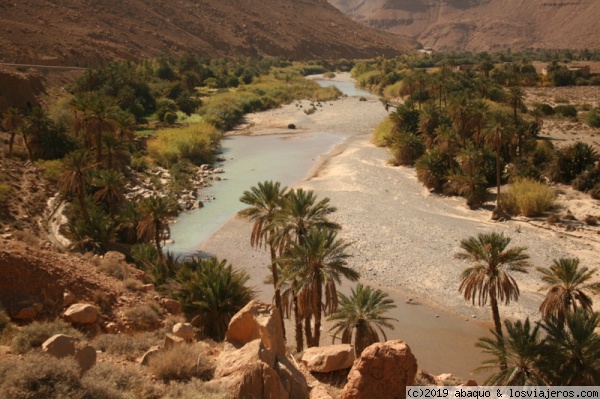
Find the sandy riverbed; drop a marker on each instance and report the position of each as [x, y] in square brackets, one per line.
[404, 237]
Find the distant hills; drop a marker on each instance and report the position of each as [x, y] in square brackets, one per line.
[484, 24]
[86, 32]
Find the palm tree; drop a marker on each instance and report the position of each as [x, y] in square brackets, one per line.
[212, 292]
[516, 355]
[565, 282]
[497, 135]
[111, 188]
[154, 215]
[318, 262]
[264, 203]
[489, 277]
[113, 146]
[124, 123]
[470, 159]
[98, 119]
[516, 99]
[573, 348]
[37, 123]
[11, 120]
[359, 314]
[74, 179]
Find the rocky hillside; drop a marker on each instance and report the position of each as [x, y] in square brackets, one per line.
[84, 32]
[483, 24]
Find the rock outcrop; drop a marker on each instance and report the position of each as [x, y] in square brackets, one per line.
[325, 359]
[184, 330]
[82, 313]
[61, 345]
[383, 371]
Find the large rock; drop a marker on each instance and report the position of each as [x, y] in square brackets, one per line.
[82, 313]
[171, 306]
[257, 320]
[60, 345]
[184, 330]
[330, 358]
[254, 371]
[383, 371]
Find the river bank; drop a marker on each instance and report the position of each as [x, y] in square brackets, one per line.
[404, 238]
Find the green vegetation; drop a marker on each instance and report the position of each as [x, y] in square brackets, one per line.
[528, 198]
[33, 335]
[181, 363]
[196, 143]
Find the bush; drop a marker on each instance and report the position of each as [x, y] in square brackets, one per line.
[182, 362]
[567, 111]
[195, 389]
[108, 381]
[571, 161]
[528, 198]
[143, 317]
[543, 109]
[595, 192]
[407, 148]
[586, 180]
[593, 118]
[432, 170]
[196, 143]
[129, 346]
[33, 335]
[51, 170]
[120, 271]
[382, 135]
[591, 220]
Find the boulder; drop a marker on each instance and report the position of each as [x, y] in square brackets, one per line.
[82, 313]
[254, 371]
[171, 306]
[24, 313]
[60, 345]
[257, 320]
[68, 298]
[172, 340]
[184, 330]
[85, 357]
[383, 371]
[326, 359]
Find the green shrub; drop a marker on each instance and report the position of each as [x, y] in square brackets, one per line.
[407, 148]
[571, 161]
[432, 169]
[382, 135]
[143, 317]
[182, 363]
[587, 180]
[593, 118]
[543, 109]
[196, 143]
[51, 170]
[164, 107]
[33, 335]
[528, 198]
[5, 190]
[567, 111]
[139, 163]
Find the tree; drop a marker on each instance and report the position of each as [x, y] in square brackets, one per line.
[516, 100]
[111, 186]
[74, 179]
[212, 292]
[98, 119]
[497, 135]
[154, 219]
[265, 202]
[360, 314]
[318, 262]
[37, 123]
[565, 282]
[516, 355]
[11, 120]
[573, 348]
[489, 277]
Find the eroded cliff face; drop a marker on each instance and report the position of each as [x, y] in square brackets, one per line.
[483, 24]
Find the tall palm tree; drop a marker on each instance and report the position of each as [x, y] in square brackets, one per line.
[573, 348]
[111, 186]
[124, 124]
[98, 119]
[516, 355]
[11, 120]
[360, 314]
[264, 201]
[74, 179]
[497, 135]
[154, 219]
[488, 278]
[516, 100]
[37, 123]
[565, 282]
[318, 262]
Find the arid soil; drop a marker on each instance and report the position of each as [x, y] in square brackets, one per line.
[483, 25]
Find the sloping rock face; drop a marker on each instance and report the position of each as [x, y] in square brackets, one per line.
[325, 359]
[383, 371]
[253, 363]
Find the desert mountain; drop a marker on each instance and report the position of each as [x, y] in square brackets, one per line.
[83, 32]
[483, 24]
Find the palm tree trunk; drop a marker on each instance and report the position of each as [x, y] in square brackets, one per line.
[99, 148]
[498, 178]
[83, 206]
[318, 310]
[496, 317]
[298, 321]
[27, 147]
[276, 286]
[11, 141]
[308, 331]
[157, 240]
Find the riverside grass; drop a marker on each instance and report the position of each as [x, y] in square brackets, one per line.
[382, 135]
[528, 198]
[195, 143]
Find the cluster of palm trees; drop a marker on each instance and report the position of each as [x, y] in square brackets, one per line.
[308, 262]
[569, 352]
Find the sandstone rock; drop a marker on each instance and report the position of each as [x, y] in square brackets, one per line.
[148, 287]
[171, 306]
[319, 392]
[24, 313]
[68, 298]
[82, 313]
[383, 371]
[172, 340]
[184, 330]
[257, 320]
[60, 345]
[112, 328]
[145, 359]
[254, 371]
[85, 357]
[330, 358]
